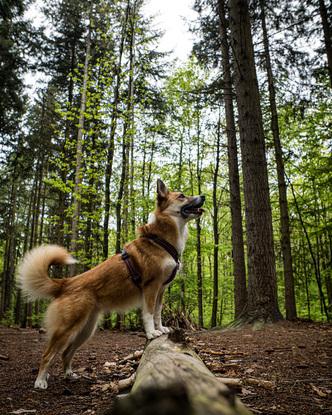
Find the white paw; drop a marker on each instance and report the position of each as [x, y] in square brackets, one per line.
[71, 375]
[164, 329]
[153, 334]
[41, 384]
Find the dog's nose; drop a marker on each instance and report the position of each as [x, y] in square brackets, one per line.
[203, 198]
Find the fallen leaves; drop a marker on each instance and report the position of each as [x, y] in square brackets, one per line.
[266, 384]
[321, 392]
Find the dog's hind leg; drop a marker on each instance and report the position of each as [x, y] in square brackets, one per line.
[56, 343]
[64, 320]
[82, 336]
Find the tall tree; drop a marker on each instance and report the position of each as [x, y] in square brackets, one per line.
[114, 121]
[13, 30]
[262, 301]
[240, 285]
[79, 144]
[128, 125]
[290, 304]
[66, 46]
[327, 30]
[215, 219]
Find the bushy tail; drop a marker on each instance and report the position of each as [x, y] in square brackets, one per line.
[33, 271]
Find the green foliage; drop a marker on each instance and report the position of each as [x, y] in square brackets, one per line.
[171, 134]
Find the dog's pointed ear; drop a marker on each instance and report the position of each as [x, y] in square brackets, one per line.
[162, 190]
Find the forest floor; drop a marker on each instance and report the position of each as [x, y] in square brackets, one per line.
[284, 368]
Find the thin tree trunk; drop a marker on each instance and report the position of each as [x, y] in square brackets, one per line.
[306, 278]
[180, 164]
[60, 211]
[132, 191]
[110, 150]
[79, 145]
[239, 268]
[215, 232]
[127, 132]
[312, 254]
[290, 303]
[198, 233]
[199, 273]
[327, 35]
[262, 283]
[7, 285]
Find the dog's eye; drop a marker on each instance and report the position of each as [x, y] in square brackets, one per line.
[181, 196]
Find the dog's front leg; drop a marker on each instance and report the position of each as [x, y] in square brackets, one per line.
[157, 313]
[150, 294]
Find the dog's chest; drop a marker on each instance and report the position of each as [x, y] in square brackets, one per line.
[168, 266]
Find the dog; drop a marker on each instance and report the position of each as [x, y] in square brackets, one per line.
[135, 278]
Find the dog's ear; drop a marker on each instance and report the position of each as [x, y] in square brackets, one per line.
[162, 191]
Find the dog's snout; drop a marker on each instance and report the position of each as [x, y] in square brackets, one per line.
[203, 198]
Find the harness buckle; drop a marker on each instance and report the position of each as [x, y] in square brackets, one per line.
[124, 254]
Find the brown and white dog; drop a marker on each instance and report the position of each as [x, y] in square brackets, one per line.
[77, 302]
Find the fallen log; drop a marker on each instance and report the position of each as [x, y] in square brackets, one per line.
[171, 379]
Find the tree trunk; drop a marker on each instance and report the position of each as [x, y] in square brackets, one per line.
[110, 150]
[262, 285]
[127, 131]
[7, 284]
[60, 211]
[79, 145]
[290, 303]
[239, 268]
[172, 379]
[198, 233]
[215, 233]
[327, 35]
[312, 254]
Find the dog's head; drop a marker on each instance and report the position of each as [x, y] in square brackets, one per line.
[177, 204]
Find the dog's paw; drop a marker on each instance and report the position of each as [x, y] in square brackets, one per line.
[41, 384]
[153, 334]
[164, 329]
[69, 374]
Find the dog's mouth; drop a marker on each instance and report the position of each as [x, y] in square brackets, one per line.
[194, 208]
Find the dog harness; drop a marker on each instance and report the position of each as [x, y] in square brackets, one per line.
[169, 248]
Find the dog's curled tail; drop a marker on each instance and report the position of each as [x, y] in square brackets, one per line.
[33, 271]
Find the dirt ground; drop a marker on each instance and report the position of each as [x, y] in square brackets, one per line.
[284, 368]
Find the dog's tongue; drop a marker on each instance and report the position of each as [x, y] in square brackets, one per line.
[196, 210]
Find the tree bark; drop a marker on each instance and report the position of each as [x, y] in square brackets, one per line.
[215, 294]
[7, 284]
[79, 145]
[110, 150]
[198, 233]
[60, 212]
[262, 285]
[172, 379]
[327, 35]
[127, 130]
[290, 303]
[239, 268]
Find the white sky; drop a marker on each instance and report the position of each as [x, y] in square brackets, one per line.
[171, 17]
